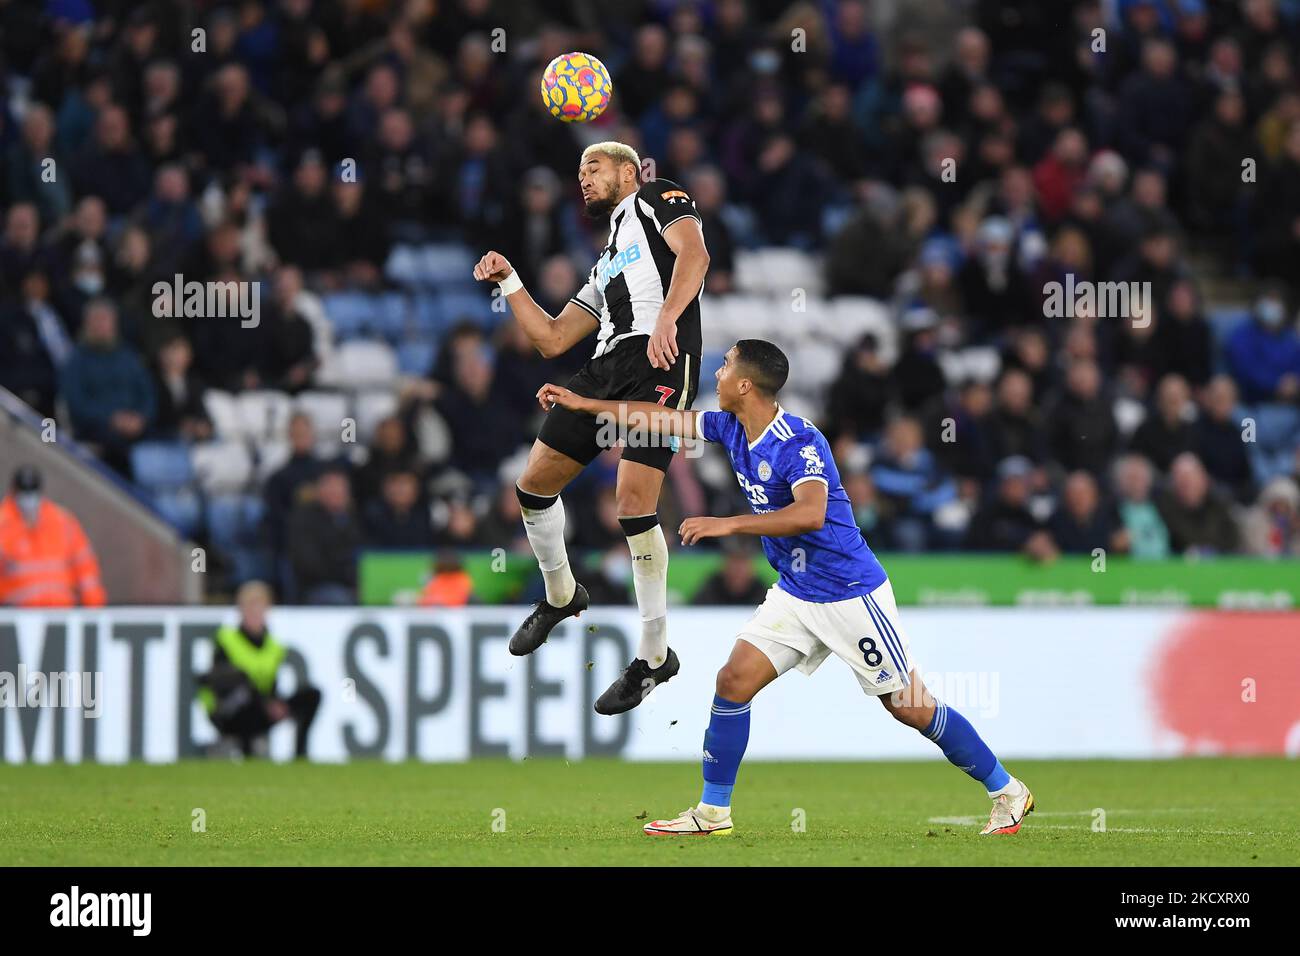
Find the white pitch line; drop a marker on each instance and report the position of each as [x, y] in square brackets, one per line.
[965, 820]
[1062, 826]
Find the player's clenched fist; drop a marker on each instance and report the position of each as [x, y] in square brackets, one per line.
[493, 267]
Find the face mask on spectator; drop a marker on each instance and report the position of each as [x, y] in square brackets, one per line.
[91, 283]
[1270, 312]
[29, 505]
[765, 62]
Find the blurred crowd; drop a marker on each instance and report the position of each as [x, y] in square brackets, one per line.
[947, 159]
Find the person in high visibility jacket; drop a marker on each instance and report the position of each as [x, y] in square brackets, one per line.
[45, 557]
[239, 692]
[450, 584]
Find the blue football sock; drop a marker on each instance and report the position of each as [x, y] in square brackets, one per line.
[724, 746]
[964, 748]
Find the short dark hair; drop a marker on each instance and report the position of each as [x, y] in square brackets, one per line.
[767, 365]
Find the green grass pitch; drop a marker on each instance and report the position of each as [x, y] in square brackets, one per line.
[1214, 812]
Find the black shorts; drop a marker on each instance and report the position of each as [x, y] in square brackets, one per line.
[622, 375]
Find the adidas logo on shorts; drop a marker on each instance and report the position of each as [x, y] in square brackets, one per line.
[884, 676]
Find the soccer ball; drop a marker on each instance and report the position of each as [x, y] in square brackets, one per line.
[576, 87]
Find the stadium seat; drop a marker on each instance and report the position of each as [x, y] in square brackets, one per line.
[779, 271]
[416, 357]
[818, 365]
[327, 411]
[165, 473]
[446, 263]
[467, 306]
[161, 466]
[854, 316]
[404, 265]
[372, 408]
[359, 364]
[351, 314]
[181, 508]
[427, 318]
[263, 414]
[234, 529]
[1277, 436]
[270, 457]
[232, 519]
[223, 467]
[222, 408]
[391, 316]
[1224, 321]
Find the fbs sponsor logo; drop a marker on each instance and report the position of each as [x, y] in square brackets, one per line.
[133, 910]
[610, 267]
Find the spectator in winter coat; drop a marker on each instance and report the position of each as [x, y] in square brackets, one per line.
[1198, 518]
[108, 389]
[324, 539]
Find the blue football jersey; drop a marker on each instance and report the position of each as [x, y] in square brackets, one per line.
[830, 564]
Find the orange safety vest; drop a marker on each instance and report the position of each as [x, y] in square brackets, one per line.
[49, 564]
[447, 589]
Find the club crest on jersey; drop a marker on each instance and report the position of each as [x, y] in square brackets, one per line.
[764, 470]
[813, 461]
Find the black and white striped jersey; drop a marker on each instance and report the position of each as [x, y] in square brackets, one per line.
[627, 285]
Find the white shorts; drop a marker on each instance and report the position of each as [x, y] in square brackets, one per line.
[864, 632]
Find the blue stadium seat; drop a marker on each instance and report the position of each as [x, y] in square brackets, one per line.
[474, 307]
[234, 529]
[351, 314]
[427, 318]
[233, 519]
[391, 315]
[162, 465]
[446, 263]
[404, 265]
[165, 472]
[416, 357]
[181, 508]
[1223, 321]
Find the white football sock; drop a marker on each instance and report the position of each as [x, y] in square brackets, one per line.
[713, 814]
[650, 580]
[545, 530]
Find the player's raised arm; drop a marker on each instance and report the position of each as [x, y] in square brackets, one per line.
[551, 335]
[644, 416]
[806, 513]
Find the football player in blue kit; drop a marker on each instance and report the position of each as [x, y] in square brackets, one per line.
[832, 595]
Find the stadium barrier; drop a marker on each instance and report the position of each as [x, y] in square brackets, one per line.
[928, 580]
[441, 686]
